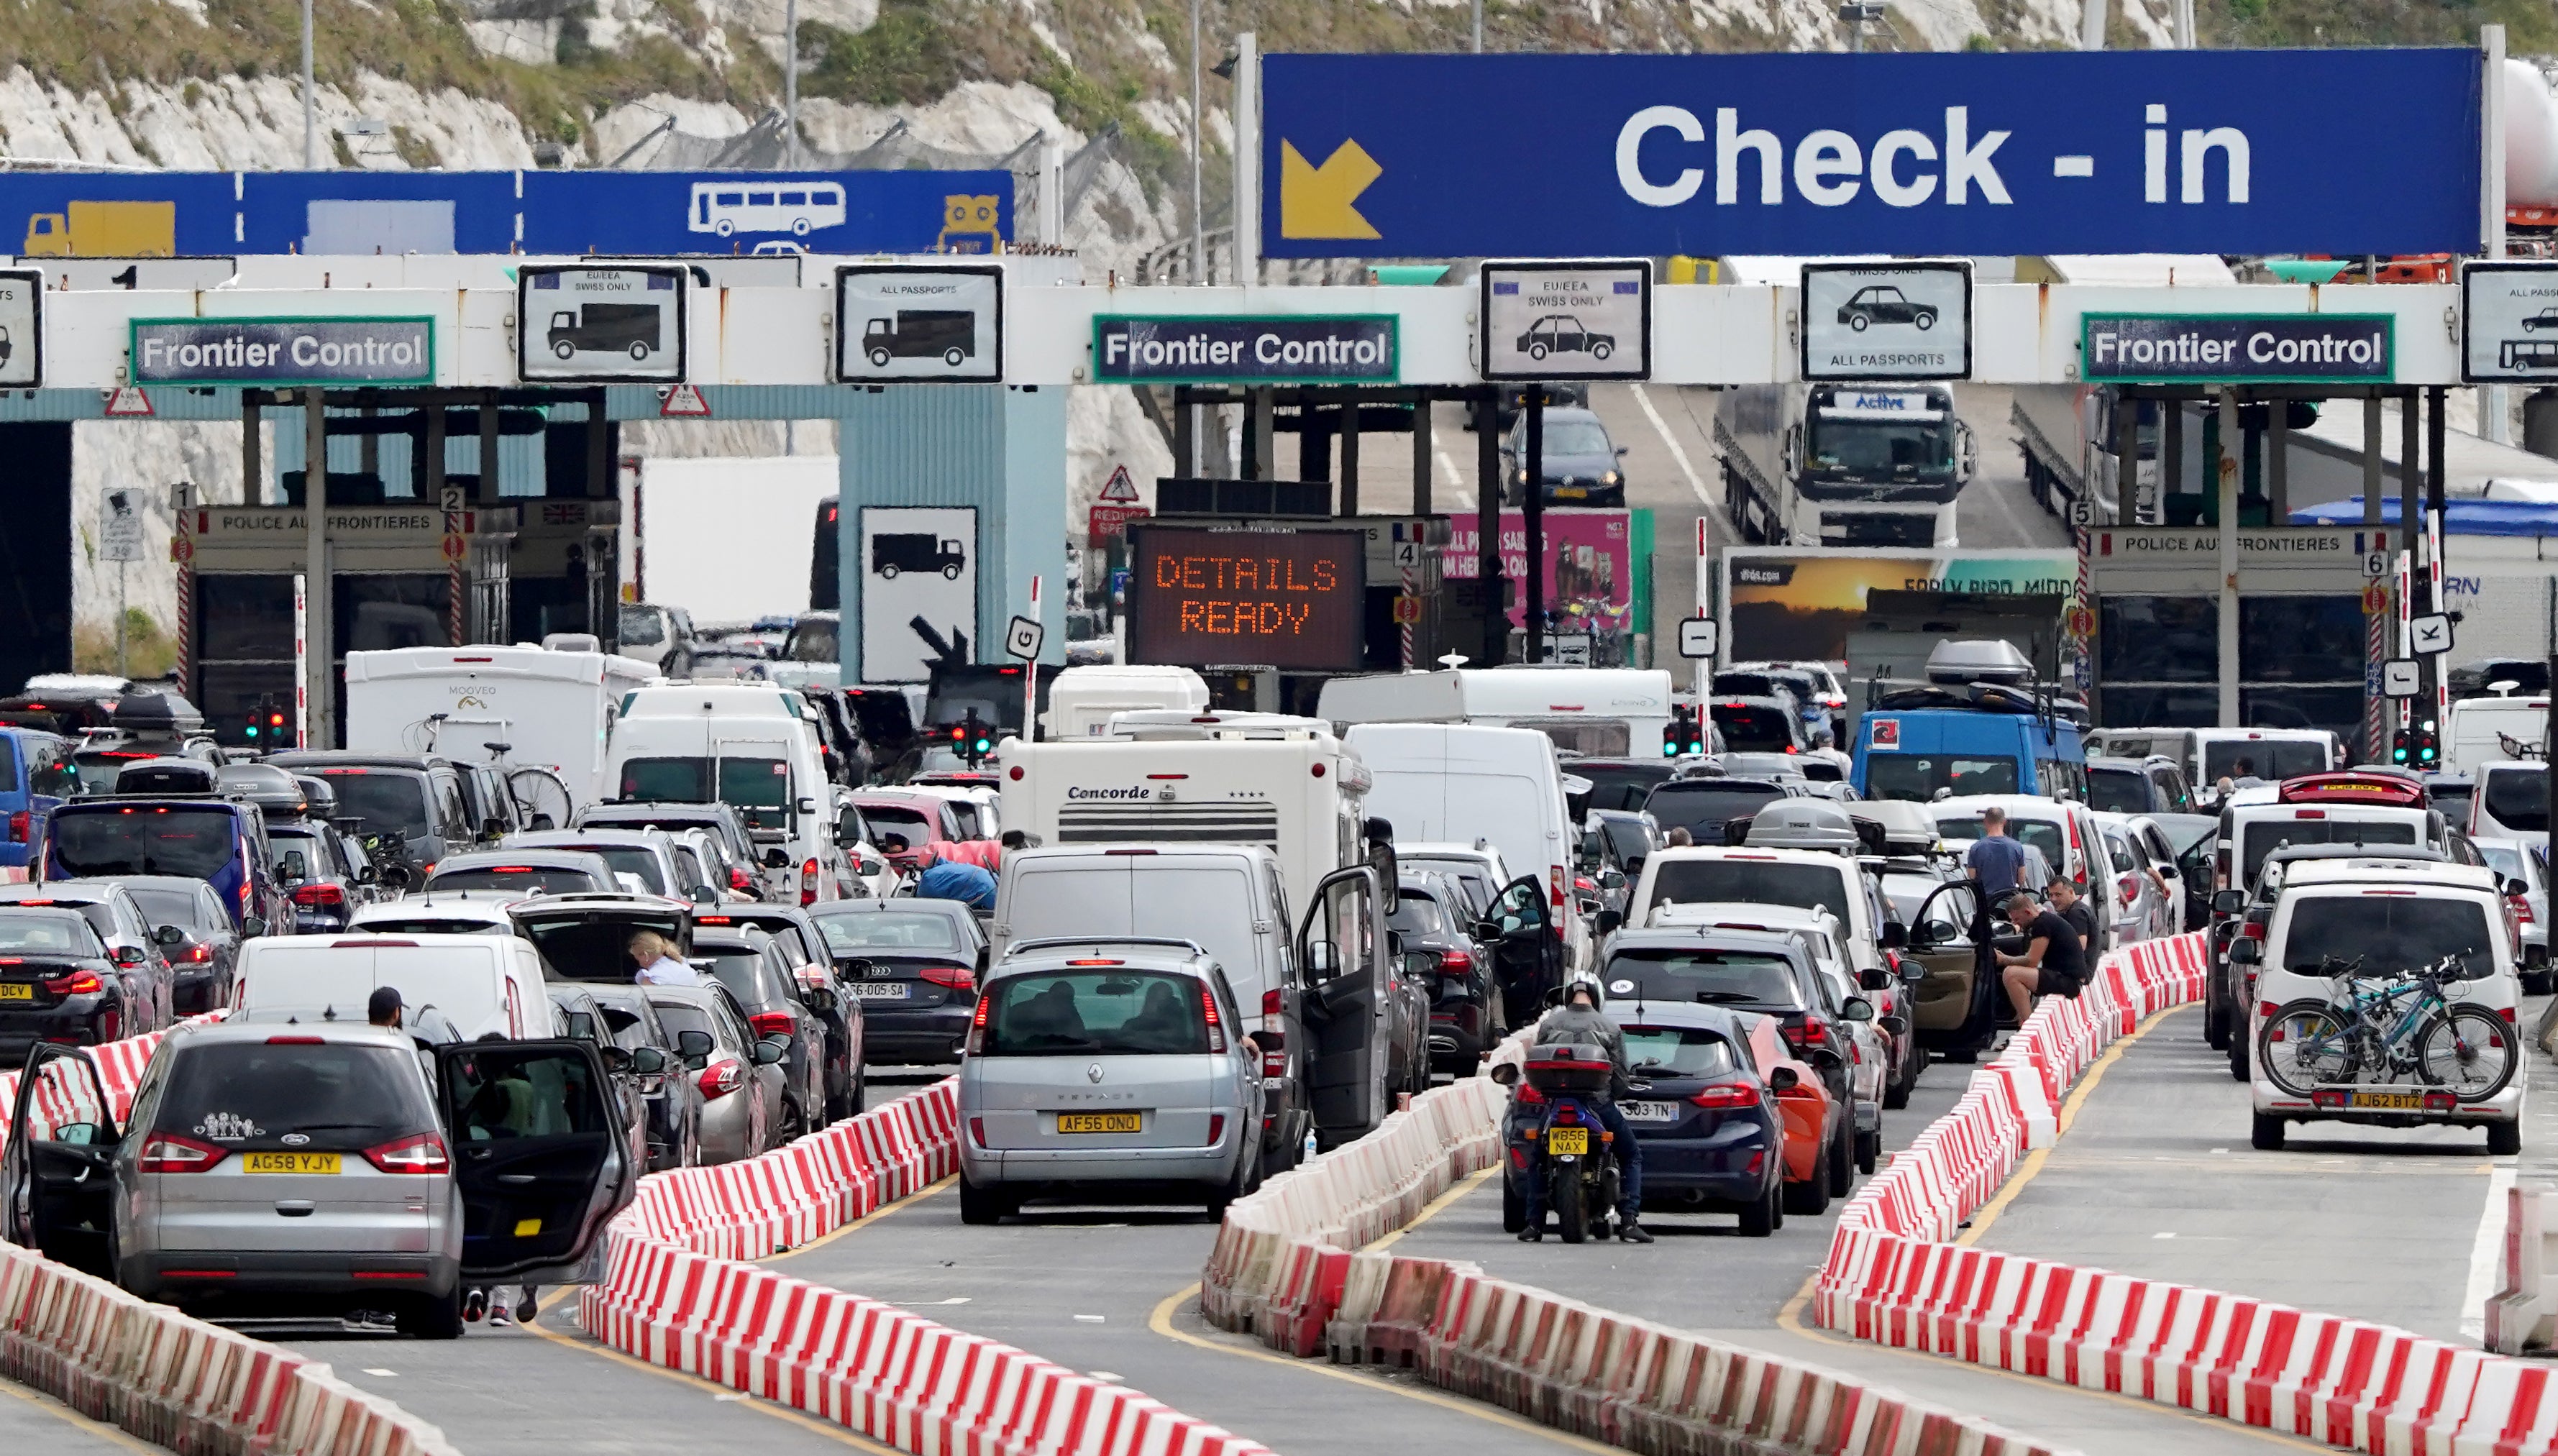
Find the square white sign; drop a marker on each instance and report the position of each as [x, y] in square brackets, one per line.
[2430, 634]
[600, 325]
[2399, 678]
[1887, 320]
[1549, 322]
[900, 325]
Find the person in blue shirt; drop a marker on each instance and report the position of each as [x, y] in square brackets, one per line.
[949, 880]
[1997, 861]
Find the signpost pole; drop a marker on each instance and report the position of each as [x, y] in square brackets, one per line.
[1421, 453]
[2437, 678]
[2410, 460]
[320, 731]
[1030, 677]
[2226, 477]
[1488, 525]
[301, 662]
[2375, 634]
[182, 548]
[1199, 194]
[2491, 401]
[122, 670]
[1247, 159]
[1532, 509]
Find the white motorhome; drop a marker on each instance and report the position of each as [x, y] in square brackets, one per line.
[550, 709]
[1464, 783]
[1600, 711]
[1081, 700]
[750, 744]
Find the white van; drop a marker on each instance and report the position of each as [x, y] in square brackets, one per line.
[2320, 809]
[2511, 802]
[486, 983]
[551, 710]
[1081, 700]
[2272, 754]
[1461, 782]
[749, 744]
[2481, 728]
[2386, 915]
[1597, 712]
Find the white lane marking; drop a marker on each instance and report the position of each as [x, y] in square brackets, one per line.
[1662, 427]
[1087, 1319]
[2485, 1256]
[1456, 482]
[394, 1375]
[960, 1299]
[2163, 1235]
[2006, 509]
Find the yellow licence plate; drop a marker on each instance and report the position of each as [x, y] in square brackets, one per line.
[16, 990]
[2404, 1101]
[289, 1162]
[1572, 493]
[1568, 1139]
[1100, 1121]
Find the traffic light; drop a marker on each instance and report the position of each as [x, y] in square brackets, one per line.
[2428, 746]
[265, 726]
[972, 738]
[1686, 733]
[2401, 745]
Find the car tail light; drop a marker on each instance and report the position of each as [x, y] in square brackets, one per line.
[1274, 1064]
[1727, 1096]
[320, 895]
[2129, 888]
[773, 1023]
[977, 1028]
[2253, 930]
[1215, 1127]
[1272, 1004]
[2327, 1100]
[1568, 1114]
[167, 1152]
[79, 983]
[1814, 1033]
[422, 1153]
[739, 879]
[1583, 882]
[1455, 962]
[721, 1078]
[198, 955]
[1554, 887]
[1216, 1023]
[19, 824]
[809, 882]
[2506, 1012]
[957, 977]
[2521, 908]
[977, 1130]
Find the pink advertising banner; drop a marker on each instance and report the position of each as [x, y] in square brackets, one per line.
[1589, 566]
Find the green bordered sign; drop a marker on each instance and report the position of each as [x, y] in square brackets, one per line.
[2235, 348]
[282, 351]
[1283, 348]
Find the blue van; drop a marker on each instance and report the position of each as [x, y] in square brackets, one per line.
[222, 842]
[36, 776]
[1918, 754]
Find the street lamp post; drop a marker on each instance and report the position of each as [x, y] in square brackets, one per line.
[789, 82]
[310, 117]
[1859, 13]
[1199, 217]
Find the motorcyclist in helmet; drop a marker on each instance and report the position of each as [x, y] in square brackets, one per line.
[1578, 1021]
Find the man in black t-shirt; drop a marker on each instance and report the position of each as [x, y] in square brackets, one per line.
[2054, 963]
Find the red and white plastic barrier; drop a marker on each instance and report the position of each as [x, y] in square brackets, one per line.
[680, 1291]
[1893, 1279]
[1285, 1268]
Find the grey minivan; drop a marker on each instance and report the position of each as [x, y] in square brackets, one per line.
[314, 1170]
[1106, 1071]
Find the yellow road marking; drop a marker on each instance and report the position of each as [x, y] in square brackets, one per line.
[1462, 1187]
[2034, 1162]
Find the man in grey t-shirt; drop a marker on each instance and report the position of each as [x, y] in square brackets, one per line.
[1997, 861]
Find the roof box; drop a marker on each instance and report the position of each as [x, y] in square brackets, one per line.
[1986, 660]
[166, 776]
[1804, 824]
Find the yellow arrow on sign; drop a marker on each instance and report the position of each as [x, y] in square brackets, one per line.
[1315, 201]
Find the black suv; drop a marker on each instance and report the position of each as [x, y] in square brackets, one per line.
[412, 803]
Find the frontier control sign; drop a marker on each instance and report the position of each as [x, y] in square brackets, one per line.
[1296, 600]
[2235, 348]
[1284, 349]
[283, 352]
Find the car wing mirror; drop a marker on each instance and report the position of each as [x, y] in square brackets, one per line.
[1612, 879]
[647, 1061]
[169, 935]
[770, 1050]
[252, 925]
[2228, 901]
[1487, 931]
[1505, 1073]
[776, 858]
[1608, 922]
[691, 1045]
[1783, 1079]
[703, 894]
[1895, 935]
[2516, 888]
[2246, 952]
[1856, 1008]
[128, 955]
[1874, 978]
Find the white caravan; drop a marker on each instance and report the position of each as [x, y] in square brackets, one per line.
[550, 709]
[1599, 711]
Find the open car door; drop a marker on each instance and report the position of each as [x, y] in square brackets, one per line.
[540, 1155]
[1528, 954]
[57, 1177]
[1955, 1008]
[1343, 945]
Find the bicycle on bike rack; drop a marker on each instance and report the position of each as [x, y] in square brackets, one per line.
[2388, 1041]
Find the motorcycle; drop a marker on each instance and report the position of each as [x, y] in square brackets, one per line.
[1556, 1130]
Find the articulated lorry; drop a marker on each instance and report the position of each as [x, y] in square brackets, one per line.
[2067, 432]
[1843, 465]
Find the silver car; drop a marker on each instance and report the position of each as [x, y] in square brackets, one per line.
[2519, 860]
[1106, 1071]
[742, 1080]
[314, 1170]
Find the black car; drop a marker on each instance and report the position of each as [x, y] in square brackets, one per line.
[1581, 464]
[1758, 724]
[804, 946]
[1440, 953]
[754, 970]
[912, 965]
[1616, 783]
[1561, 334]
[196, 935]
[673, 1100]
[320, 872]
[531, 871]
[411, 802]
[58, 983]
[1702, 806]
[1615, 846]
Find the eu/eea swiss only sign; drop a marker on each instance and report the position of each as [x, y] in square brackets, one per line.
[283, 352]
[2235, 348]
[1905, 154]
[1286, 349]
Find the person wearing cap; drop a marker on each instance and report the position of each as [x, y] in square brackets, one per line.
[1824, 747]
[383, 1010]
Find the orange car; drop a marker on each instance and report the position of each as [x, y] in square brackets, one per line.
[1810, 1112]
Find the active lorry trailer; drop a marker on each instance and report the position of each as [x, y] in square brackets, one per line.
[1843, 465]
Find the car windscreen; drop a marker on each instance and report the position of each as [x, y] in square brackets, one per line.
[667, 780]
[2394, 931]
[335, 1097]
[1576, 437]
[49, 933]
[2518, 799]
[898, 819]
[1619, 785]
[1749, 729]
[196, 842]
[532, 880]
[428, 925]
[2118, 791]
[1949, 918]
[2266, 836]
[1095, 1013]
[627, 1028]
[1919, 776]
[1677, 1051]
[1750, 881]
[640, 628]
[742, 971]
[888, 933]
[633, 859]
[386, 802]
[1415, 913]
[172, 907]
[2270, 759]
[2040, 835]
[1702, 805]
[1682, 973]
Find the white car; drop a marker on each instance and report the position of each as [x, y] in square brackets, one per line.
[2459, 1064]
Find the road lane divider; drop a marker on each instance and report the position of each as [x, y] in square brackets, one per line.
[1293, 1267]
[1894, 1275]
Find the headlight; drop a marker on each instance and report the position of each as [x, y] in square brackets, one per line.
[1518, 478]
[1608, 478]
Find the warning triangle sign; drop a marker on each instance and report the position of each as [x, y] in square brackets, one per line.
[128, 403]
[684, 402]
[1120, 487]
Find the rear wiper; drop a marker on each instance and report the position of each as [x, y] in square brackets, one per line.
[1724, 998]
